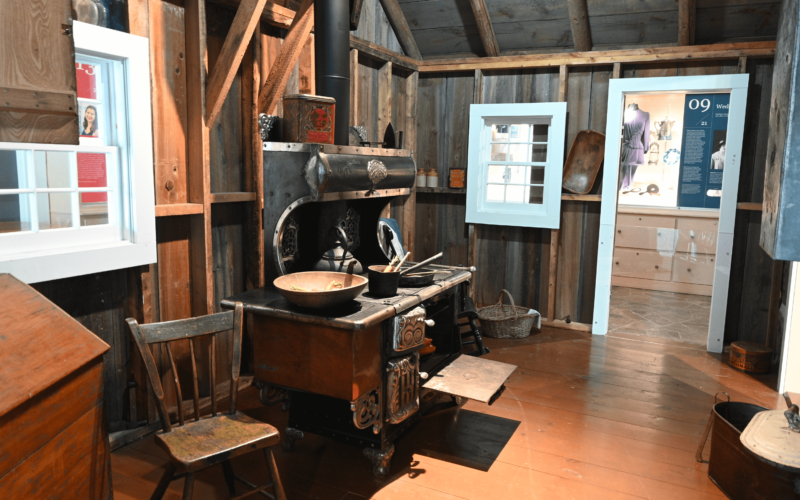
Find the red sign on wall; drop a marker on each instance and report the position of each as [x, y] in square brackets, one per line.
[87, 80]
[92, 174]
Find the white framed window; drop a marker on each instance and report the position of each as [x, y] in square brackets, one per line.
[516, 160]
[73, 210]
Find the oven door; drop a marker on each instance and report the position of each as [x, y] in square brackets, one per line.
[471, 378]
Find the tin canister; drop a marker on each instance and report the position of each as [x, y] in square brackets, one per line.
[308, 118]
[751, 357]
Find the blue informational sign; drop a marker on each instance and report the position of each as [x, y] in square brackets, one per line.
[703, 157]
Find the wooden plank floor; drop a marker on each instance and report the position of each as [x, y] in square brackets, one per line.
[582, 417]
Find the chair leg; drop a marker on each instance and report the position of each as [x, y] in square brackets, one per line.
[163, 483]
[481, 350]
[188, 486]
[230, 477]
[273, 472]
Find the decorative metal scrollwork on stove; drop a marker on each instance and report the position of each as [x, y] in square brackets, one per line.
[350, 223]
[367, 411]
[289, 248]
[403, 388]
[409, 329]
[270, 395]
[377, 171]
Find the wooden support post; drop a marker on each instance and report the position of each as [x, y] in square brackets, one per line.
[384, 98]
[485, 28]
[410, 142]
[236, 42]
[384, 109]
[774, 303]
[282, 68]
[353, 87]
[579, 23]
[253, 162]
[617, 71]
[199, 188]
[401, 29]
[742, 66]
[552, 288]
[139, 17]
[687, 10]
[472, 256]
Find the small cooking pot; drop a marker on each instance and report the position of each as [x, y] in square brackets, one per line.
[382, 284]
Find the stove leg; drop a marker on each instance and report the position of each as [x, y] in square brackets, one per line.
[291, 435]
[381, 460]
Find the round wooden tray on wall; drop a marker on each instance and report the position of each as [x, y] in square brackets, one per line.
[751, 357]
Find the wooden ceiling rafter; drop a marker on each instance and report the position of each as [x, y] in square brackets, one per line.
[281, 69]
[687, 14]
[485, 29]
[230, 57]
[272, 13]
[579, 24]
[719, 51]
[401, 29]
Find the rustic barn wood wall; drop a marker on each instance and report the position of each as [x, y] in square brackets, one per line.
[207, 180]
[518, 259]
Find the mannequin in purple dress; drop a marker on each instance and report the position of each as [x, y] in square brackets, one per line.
[635, 141]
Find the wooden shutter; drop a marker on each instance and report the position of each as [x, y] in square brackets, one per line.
[38, 100]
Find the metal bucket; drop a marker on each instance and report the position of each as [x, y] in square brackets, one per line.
[735, 469]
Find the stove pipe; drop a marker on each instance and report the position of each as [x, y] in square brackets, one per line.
[332, 60]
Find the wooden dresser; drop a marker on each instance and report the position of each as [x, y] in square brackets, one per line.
[665, 249]
[53, 434]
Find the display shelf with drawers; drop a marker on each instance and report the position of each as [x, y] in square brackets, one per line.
[671, 250]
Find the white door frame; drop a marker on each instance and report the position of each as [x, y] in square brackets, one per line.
[736, 85]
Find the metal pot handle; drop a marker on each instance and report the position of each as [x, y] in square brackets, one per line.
[345, 243]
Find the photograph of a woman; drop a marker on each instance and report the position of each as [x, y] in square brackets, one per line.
[718, 156]
[89, 127]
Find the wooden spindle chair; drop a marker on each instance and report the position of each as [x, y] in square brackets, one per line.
[219, 437]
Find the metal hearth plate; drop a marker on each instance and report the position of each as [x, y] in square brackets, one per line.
[471, 378]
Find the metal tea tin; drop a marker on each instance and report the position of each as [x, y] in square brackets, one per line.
[308, 118]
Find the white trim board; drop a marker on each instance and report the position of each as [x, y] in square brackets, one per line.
[736, 85]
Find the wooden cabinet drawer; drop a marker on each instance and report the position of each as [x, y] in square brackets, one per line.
[697, 236]
[693, 269]
[646, 238]
[646, 264]
[645, 220]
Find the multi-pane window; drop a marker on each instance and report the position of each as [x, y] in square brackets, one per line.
[71, 187]
[516, 154]
[49, 189]
[68, 210]
[517, 161]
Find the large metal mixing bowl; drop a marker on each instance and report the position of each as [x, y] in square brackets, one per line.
[318, 280]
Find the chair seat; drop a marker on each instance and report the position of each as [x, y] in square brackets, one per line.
[212, 440]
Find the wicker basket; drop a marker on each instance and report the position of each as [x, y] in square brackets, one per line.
[501, 321]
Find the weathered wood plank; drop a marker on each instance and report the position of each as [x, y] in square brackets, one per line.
[384, 110]
[198, 154]
[169, 107]
[226, 152]
[661, 54]
[780, 237]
